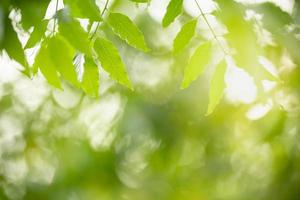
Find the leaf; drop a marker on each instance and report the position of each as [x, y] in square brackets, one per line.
[33, 11]
[90, 80]
[197, 64]
[127, 30]
[43, 61]
[274, 18]
[173, 10]
[90, 9]
[111, 61]
[73, 8]
[217, 86]
[140, 1]
[241, 35]
[184, 36]
[13, 46]
[37, 34]
[62, 55]
[84, 9]
[72, 31]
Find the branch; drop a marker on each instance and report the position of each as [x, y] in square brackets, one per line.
[210, 28]
[55, 20]
[98, 23]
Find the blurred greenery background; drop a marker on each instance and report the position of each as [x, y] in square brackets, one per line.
[155, 143]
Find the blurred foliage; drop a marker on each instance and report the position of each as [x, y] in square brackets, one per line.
[90, 138]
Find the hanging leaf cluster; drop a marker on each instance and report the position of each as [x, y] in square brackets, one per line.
[62, 39]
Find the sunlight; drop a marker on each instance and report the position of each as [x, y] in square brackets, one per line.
[240, 86]
[191, 8]
[260, 110]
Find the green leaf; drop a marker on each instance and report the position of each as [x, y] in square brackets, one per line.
[111, 61]
[173, 10]
[37, 34]
[13, 46]
[140, 1]
[84, 9]
[197, 64]
[241, 34]
[184, 36]
[274, 18]
[217, 86]
[43, 61]
[33, 11]
[90, 80]
[127, 30]
[62, 55]
[90, 9]
[72, 31]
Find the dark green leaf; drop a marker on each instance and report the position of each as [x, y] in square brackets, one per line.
[12, 45]
[33, 11]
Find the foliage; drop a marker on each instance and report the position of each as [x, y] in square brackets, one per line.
[241, 37]
[167, 143]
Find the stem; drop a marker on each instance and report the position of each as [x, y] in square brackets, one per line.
[210, 28]
[98, 23]
[55, 20]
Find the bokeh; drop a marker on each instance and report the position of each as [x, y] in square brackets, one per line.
[155, 143]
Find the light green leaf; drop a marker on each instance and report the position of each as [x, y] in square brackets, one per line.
[75, 35]
[173, 10]
[90, 9]
[43, 61]
[84, 9]
[127, 30]
[217, 86]
[197, 64]
[90, 80]
[37, 34]
[140, 1]
[184, 36]
[62, 55]
[111, 61]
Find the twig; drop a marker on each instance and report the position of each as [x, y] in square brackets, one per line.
[55, 20]
[98, 23]
[210, 28]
